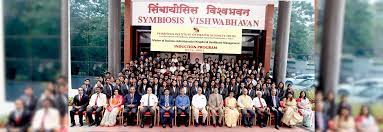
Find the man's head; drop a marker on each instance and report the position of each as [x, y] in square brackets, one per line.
[259, 94]
[199, 91]
[98, 89]
[28, 91]
[244, 91]
[19, 104]
[46, 103]
[80, 90]
[149, 90]
[86, 81]
[107, 81]
[273, 92]
[166, 92]
[215, 90]
[182, 91]
[132, 89]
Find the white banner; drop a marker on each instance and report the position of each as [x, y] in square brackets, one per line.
[198, 14]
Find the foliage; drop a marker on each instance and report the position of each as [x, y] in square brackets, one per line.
[70, 101]
[3, 120]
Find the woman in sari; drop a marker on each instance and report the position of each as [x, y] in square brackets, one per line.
[231, 111]
[111, 111]
[365, 122]
[291, 117]
[344, 122]
[305, 109]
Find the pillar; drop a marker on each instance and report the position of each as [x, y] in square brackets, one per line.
[128, 43]
[282, 41]
[267, 45]
[114, 42]
[2, 57]
[64, 38]
[331, 48]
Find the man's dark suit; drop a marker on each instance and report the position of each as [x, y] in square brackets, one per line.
[82, 103]
[142, 88]
[108, 90]
[156, 89]
[88, 90]
[234, 88]
[274, 104]
[174, 91]
[224, 92]
[131, 100]
[162, 104]
[125, 89]
[22, 122]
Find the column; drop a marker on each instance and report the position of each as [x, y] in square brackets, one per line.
[267, 45]
[2, 57]
[331, 48]
[114, 42]
[64, 38]
[128, 43]
[282, 41]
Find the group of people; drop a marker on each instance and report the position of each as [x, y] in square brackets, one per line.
[177, 87]
[330, 116]
[45, 113]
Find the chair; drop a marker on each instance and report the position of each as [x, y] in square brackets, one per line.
[166, 115]
[93, 113]
[271, 117]
[122, 113]
[83, 115]
[210, 115]
[200, 114]
[248, 116]
[182, 114]
[147, 114]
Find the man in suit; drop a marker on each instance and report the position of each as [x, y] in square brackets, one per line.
[233, 88]
[194, 89]
[273, 103]
[174, 89]
[97, 103]
[216, 106]
[148, 104]
[19, 119]
[62, 101]
[88, 89]
[131, 102]
[223, 90]
[29, 99]
[46, 118]
[252, 92]
[166, 105]
[80, 101]
[156, 87]
[125, 87]
[261, 109]
[108, 88]
[143, 87]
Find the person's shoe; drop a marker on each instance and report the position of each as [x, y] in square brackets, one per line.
[264, 125]
[261, 125]
[204, 124]
[163, 126]
[220, 124]
[171, 125]
[92, 124]
[214, 125]
[196, 124]
[125, 124]
[81, 124]
[72, 125]
[142, 125]
[178, 125]
[151, 126]
[277, 127]
[187, 125]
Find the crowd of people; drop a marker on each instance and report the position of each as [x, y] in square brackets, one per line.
[45, 113]
[226, 90]
[330, 116]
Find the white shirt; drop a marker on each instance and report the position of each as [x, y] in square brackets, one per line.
[185, 90]
[50, 119]
[199, 101]
[172, 69]
[257, 104]
[174, 60]
[152, 99]
[101, 100]
[242, 99]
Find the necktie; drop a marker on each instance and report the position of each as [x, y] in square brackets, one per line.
[131, 99]
[79, 99]
[260, 102]
[148, 99]
[96, 100]
[274, 101]
[167, 101]
[17, 117]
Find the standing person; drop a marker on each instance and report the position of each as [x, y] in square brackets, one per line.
[344, 122]
[231, 111]
[246, 106]
[223, 90]
[261, 109]
[108, 88]
[114, 107]
[365, 121]
[29, 99]
[280, 90]
[80, 101]
[174, 89]
[88, 89]
[199, 103]
[19, 119]
[183, 105]
[166, 105]
[131, 102]
[273, 103]
[97, 103]
[304, 107]
[148, 103]
[216, 106]
[233, 88]
[47, 118]
[291, 117]
[143, 87]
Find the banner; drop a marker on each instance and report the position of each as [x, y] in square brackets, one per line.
[243, 16]
[196, 39]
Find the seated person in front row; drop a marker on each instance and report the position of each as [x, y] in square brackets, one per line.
[148, 103]
[131, 101]
[166, 105]
[199, 104]
[261, 109]
[97, 103]
[80, 101]
[216, 105]
[246, 106]
[19, 119]
[183, 105]
[112, 110]
[273, 103]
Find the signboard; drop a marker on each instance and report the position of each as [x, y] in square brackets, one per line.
[198, 14]
[196, 39]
